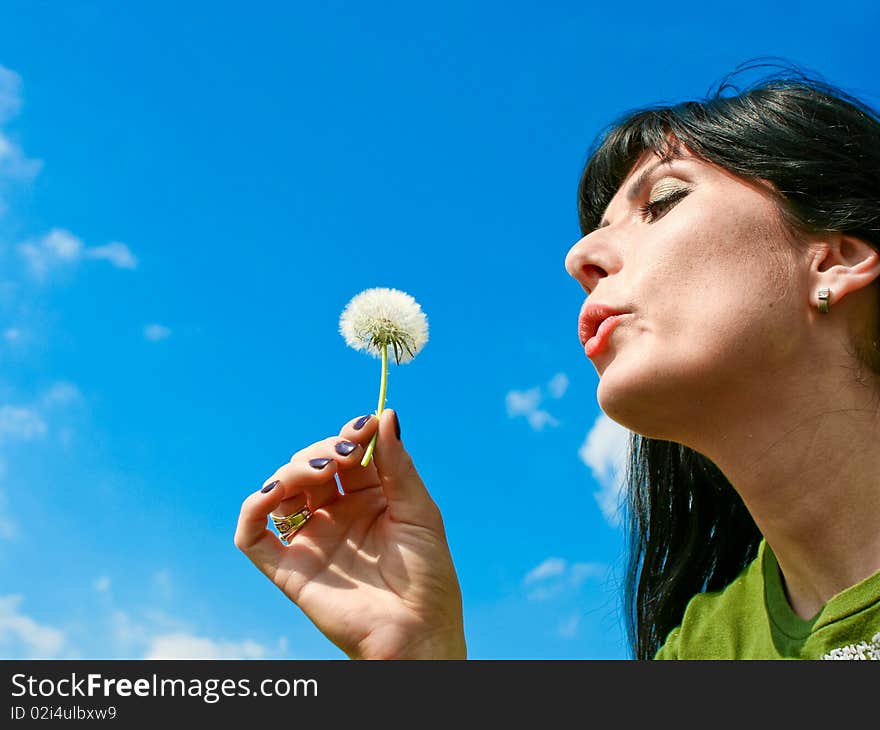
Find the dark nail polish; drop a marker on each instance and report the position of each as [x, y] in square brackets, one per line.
[345, 447]
[396, 425]
[270, 487]
[319, 463]
[360, 422]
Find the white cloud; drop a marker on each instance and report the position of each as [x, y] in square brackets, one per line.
[558, 385]
[189, 646]
[521, 402]
[554, 576]
[539, 419]
[21, 635]
[156, 332]
[61, 393]
[581, 571]
[549, 568]
[56, 248]
[156, 635]
[125, 631]
[62, 244]
[116, 253]
[29, 421]
[60, 248]
[21, 422]
[14, 164]
[10, 94]
[525, 403]
[131, 636]
[13, 334]
[568, 628]
[102, 584]
[605, 450]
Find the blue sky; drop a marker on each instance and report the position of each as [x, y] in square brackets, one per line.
[189, 196]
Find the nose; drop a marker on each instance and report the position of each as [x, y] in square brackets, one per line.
[586, 262]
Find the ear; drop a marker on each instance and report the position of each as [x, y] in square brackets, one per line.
[844, 264]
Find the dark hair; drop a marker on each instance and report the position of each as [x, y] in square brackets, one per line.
[819, 147]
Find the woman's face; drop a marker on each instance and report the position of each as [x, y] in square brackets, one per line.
[716, 297]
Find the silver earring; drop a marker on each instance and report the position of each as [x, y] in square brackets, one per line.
[824, 293]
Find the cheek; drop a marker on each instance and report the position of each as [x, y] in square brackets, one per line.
[712, 311]
[683, 351]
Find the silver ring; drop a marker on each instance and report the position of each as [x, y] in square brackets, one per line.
[288, 526]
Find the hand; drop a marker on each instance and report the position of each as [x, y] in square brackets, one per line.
[371, 567]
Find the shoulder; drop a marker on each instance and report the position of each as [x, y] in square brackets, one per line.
[716, 623]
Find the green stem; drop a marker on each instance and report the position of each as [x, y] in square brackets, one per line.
[383, 387]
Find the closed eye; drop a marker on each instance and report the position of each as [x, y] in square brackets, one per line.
[654, 209]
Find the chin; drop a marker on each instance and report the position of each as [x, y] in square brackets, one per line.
[636, 400]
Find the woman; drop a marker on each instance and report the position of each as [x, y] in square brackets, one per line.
[737, 239]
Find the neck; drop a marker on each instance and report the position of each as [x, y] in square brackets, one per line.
[808, 470]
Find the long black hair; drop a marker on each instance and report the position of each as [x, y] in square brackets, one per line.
[688, 529]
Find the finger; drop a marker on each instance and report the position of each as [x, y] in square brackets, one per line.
[408, 498]
[353, 476]
[253, 537]
[310, 475]
[308, 470]
[306, 480]
[324, 496]
[317, 497]
[289, 506]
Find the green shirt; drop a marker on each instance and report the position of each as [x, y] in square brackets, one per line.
[751, 619]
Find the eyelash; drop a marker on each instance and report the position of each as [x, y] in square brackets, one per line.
[649, 210]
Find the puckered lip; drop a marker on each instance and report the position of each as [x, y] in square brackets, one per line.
[592, 315]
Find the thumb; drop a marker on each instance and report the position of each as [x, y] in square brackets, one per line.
[408, 498]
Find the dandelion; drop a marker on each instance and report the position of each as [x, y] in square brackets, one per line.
[376, 319]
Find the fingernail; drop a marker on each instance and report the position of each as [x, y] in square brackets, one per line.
[345, 447]
[270, 487]
[360, 422]
[319, 463]
[396, 425]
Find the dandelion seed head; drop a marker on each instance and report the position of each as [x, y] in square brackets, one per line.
[382, 316]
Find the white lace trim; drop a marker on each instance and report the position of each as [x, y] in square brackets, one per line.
[862, 650]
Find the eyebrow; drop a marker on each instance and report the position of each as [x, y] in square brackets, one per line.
[636, 188]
